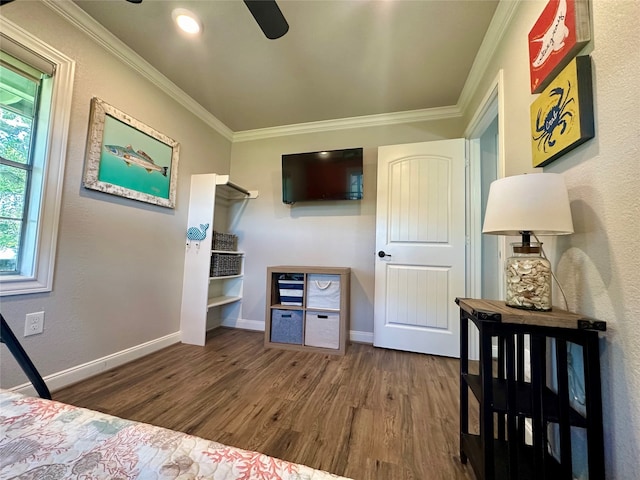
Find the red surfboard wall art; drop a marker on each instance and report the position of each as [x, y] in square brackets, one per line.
[560, 32]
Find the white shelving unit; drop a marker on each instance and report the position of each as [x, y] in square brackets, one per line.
[208, 301]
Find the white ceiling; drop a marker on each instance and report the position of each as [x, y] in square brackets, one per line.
[340, 58]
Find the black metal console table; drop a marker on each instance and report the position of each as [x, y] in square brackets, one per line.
[506, 398]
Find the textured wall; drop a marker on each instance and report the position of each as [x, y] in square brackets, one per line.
[599, 265]
[118, 278]
[340, 234]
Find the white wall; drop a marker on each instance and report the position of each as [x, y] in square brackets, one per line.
[119, 263]
[599, 265]
[340, 234]
[118, 278]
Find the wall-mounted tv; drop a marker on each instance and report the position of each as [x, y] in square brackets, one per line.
[324, 175]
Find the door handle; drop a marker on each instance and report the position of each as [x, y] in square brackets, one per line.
[382, 254]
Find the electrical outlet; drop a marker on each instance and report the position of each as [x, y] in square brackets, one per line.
[34, 323]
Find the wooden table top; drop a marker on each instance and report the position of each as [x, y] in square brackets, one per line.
[496, 310]
[309, 269]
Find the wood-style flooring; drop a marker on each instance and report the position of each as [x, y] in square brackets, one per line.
[371, 414]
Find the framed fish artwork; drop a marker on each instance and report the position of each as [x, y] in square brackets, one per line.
[127, 158]
[562, 115]
[561, 31]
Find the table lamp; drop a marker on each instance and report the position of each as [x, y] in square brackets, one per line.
[529, 204]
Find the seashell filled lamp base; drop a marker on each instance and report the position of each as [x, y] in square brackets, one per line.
[528, 277]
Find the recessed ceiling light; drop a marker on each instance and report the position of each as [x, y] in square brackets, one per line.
[187, 21]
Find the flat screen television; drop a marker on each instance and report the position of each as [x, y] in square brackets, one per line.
[324, 175]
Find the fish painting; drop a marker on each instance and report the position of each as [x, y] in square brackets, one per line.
[133, 157]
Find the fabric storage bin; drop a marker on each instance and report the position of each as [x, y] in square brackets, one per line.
[323, 291]
[322, 330]
[291, 288]
[286, 326]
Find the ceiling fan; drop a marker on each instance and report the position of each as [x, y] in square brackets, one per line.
[267, 14]
[269, 17]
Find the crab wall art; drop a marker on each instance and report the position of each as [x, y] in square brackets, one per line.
[562, 116]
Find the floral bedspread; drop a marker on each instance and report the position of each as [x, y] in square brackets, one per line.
[43, 439]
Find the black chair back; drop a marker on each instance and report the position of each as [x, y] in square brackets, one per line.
[9, 339]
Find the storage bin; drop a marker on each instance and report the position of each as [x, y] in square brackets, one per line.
[223, 265]
[291, 289]
[323, 291]
[286, 326]
[322, 330]
[225, 241]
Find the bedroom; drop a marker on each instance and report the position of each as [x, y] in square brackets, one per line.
[108, 249]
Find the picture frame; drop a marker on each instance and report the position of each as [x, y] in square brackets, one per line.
[562, 116]
[127, 158]
[561, 31]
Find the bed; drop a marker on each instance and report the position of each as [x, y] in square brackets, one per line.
[44, 439]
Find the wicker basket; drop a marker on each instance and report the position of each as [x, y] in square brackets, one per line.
[223, 265]
[225, 241]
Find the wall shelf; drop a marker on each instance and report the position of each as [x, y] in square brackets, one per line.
[228, 190]
[222, 300]
[225, 277]
[208, 301]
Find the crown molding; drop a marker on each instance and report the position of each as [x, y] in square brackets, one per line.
[501, 20]
[502, 17]
[83, 21]
[383, 119]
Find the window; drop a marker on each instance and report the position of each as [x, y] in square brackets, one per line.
[19, 96]
[35, 99]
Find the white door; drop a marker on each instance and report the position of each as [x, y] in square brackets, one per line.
[420, 247]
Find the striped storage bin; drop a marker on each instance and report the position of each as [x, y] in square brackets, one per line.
[291, 289]
[286, 326]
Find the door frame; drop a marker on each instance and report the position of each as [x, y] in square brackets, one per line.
[491, 106]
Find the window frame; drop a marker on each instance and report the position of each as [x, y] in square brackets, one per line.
[54, 161]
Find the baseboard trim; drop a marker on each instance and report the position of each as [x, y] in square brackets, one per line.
[243, 324]
[72, 375]
[361, 337]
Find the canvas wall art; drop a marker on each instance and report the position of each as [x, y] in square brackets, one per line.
[560, 32]
[562, 116]
[127, 158]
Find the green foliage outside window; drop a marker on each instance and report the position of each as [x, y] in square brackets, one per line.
[17, 100]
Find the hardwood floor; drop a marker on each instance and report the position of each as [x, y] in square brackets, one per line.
[371, 414]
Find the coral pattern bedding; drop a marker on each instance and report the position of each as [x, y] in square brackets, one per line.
[43, 439]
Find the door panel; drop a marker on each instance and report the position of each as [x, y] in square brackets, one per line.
[420, 227]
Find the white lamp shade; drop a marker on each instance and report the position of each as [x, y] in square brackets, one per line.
[534, 202]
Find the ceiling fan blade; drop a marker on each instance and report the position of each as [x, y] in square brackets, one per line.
[269, 17]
